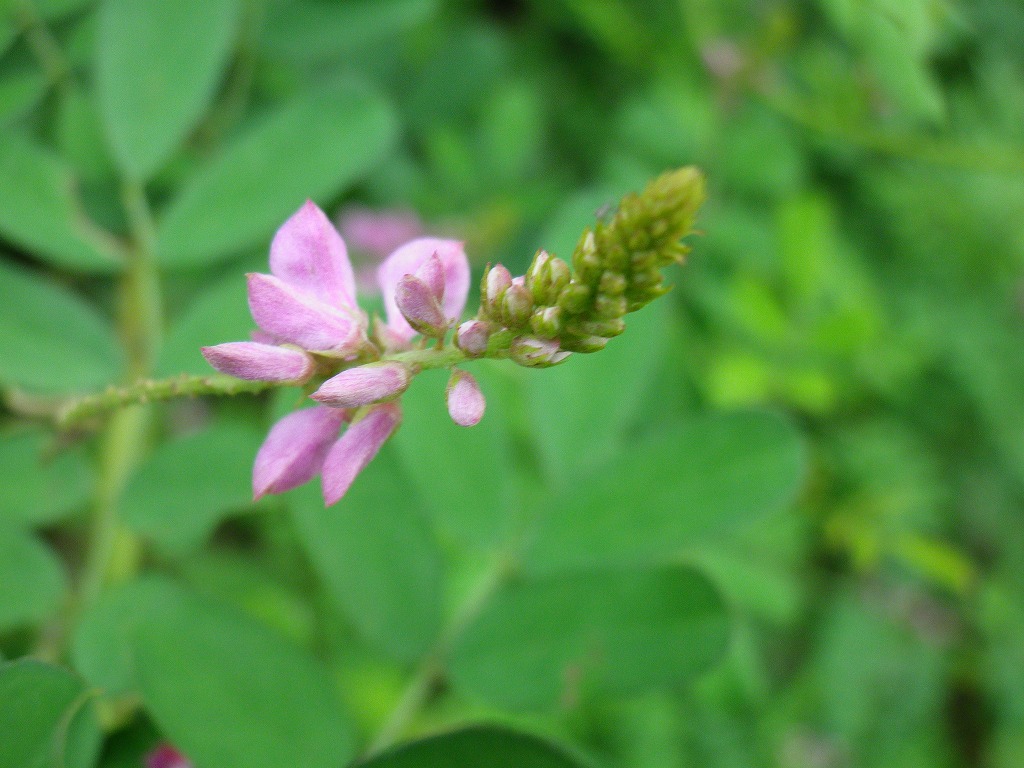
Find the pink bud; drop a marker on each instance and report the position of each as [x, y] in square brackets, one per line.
[407, 260]
[472, 337]
[465, 400]
[431, 272]
[260, 362]
[294, 450]
[295, 317]
[420, 307]
[356, 448]
[364, 385]
[498, 280]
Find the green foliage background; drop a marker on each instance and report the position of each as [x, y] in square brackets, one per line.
[777, 523]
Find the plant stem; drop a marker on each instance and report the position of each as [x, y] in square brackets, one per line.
[430, 671]
[111, 549]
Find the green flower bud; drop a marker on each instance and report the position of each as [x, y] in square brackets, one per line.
[516, 306]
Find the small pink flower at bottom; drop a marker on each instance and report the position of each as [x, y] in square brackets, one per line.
[294, 450]
[166, 756]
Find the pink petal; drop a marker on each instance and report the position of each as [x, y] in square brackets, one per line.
[364, 385]
[406, 260]
[260, 362]
[465, 400]
[294, 450]
[356, 448]
[308, 253]
[295, 317]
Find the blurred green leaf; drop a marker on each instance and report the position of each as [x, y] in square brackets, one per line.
[480, 746]
[39, 210]
[311, 148]
[103, 644]
[377, 557]
[158, 66]
[47, 719]
[19, 92]
[79, 134]
[188, 485]
[38, 488]
[49, 338]
[582, 409]
[55, 10]
[230, 693]
[318, 30]
[219, 314]
[694, 480]
[541, 643]
[32, 580]
[462, 474]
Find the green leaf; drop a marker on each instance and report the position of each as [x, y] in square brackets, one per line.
[19, 92]
[47, 719]
[158, 65]
[311, 148]
[481, 747]
[314, 30]
[462, 474]
[38, 488]
[79, 134]
[39, 210]
[103, 646]
[187, 486]
[582, 409]
[377, 557]
[219, 314]
[49, 338]
[541, 643]
[32, 581]
[231, 693]
[695, 480]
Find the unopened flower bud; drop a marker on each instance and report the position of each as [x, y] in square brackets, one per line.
[532, 352]
[472, 337]
[497, 280]
[420, 306]
[516, 306]
[608, 307]
[584, 343]
[612, 283]
[260, 362]
[573, 298]
[465, 399]
[431, 272]
[364, 385]
[547, 322]
[560, 274]
[538, 279]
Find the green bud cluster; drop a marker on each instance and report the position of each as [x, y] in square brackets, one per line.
[616, 269]
[617, 265]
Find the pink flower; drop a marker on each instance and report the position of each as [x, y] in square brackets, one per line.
[310, 324]
[465, 400]
[407, 260]
[166, 756]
